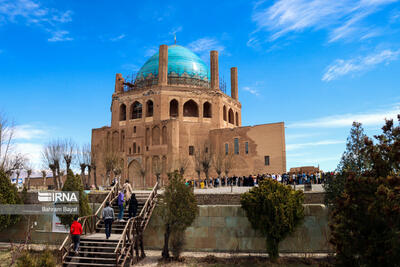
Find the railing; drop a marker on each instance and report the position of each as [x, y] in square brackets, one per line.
[89, 223]
[134, 229]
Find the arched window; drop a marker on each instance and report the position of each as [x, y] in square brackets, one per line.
[190, 109]
[207, 110]
[173, 108]
[136, 110]
[149, 110]
[231, 116]
[122, 112]
[134, 148]
[155, 136]
[164, 135]
[237, 119]
[224, 113]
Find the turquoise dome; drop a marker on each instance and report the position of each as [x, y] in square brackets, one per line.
[181, 61]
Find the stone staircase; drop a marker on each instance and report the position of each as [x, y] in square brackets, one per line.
[118, 250]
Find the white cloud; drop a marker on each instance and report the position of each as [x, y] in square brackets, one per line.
[28, 132]
[59, 36]
[32, 151]
[206, 44]
[342, 18]
[355, 65]
[32, 13]
[251, 90]
[290, 147]
[346, 120]
[117, 38]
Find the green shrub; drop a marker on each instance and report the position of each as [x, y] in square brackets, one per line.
[46, 259]
[365, 223]
[8, 195]
[275, 210]
[178, 209]
[73, 183]
[26, 260]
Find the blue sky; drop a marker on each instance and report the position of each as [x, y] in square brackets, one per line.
[317, 65]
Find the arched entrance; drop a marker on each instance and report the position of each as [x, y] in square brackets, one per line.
[133, 174]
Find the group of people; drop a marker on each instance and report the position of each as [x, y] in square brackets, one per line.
[252, 180]
[126, 197]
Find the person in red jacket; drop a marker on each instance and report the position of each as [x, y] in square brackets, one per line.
[76, 231]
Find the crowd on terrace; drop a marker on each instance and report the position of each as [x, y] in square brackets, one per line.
[254, 180]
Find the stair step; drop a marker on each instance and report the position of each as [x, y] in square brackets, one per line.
[96, 247]
[96, 254]
[90, 258]
[88, 264]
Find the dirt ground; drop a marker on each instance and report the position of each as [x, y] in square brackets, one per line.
[192, 259]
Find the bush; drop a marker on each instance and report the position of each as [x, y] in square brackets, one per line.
[365, 223]
[9, 195]
[26, 260]
[45, 259]
[178, 208]
[177, 243]
[73, 183]
[275, 210]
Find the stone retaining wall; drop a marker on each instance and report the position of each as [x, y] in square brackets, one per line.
[223, 228]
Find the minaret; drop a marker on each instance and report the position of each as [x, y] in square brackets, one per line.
[214, 69]
[119, 83]
[234, 83]
[163, 65]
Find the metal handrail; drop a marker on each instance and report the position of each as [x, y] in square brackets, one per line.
[131, 225]
[94, 217]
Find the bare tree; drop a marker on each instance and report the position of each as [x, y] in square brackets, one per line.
[206, 160]
[228, 164]
[110, 159]
[141, 171]
[10, 161]
[83, 156]
[68, 152]
[51, 157]
[29, 169]
[44, 174]
[7, 131]
[219, 163]
[93, 166]
[157, 168]
[197, 164]
[183, 164]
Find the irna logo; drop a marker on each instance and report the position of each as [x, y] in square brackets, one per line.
[58, 197]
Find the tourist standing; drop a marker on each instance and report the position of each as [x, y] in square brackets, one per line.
[108, 218]
[128, 190]
[133, 206]
[121, 205]
[76, 231]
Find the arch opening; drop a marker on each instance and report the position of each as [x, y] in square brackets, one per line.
[174, 108]
[190, 109]
[136, 110]
[207, 110]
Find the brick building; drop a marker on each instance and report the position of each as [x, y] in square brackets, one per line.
[173, 109]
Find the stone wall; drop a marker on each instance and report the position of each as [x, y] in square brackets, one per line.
[234, 199]
[226, 228]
